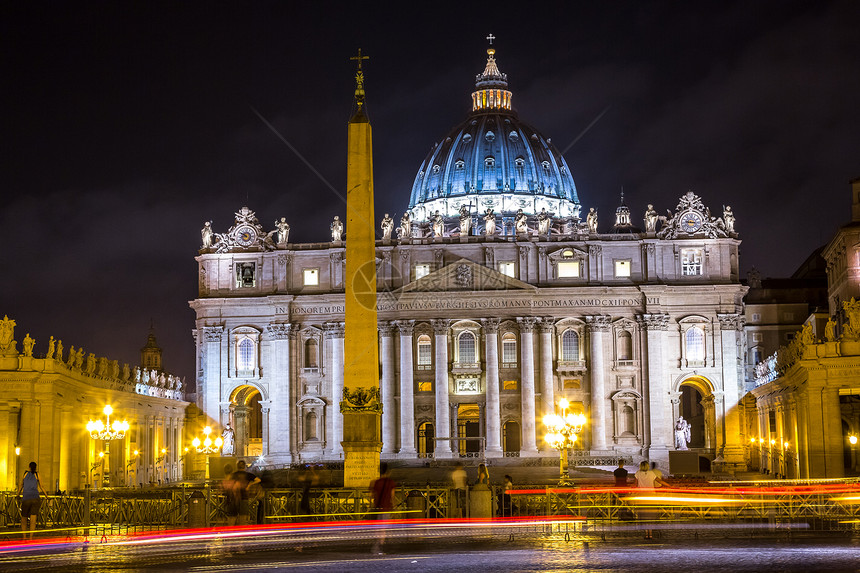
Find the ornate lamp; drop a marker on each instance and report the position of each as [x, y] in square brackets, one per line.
[207, 446]
[561, 435]
[105, 430]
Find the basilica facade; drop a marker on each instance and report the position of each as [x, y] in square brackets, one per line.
[497, 298]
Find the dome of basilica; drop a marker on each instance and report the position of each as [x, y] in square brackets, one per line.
[493, 160]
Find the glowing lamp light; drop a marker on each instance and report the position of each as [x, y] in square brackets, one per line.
[852, 440]
[105, 430]
[207, 445]
[785, 445]
[773, 442]
[752, 440]
[101, 454]
[18, 450]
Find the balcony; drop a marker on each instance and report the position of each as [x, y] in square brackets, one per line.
[571, 366]
[466, 368]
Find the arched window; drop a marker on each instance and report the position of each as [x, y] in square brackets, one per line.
[695, 343]
[509, 348]
[311, 353]
[625, 346]
[425, 351]
[570, 346]
[466, 344]
[245, 355]
[311, 426]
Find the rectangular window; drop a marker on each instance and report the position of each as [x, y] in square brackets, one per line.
[245, 276]
[509, 351]
[425, 355]
[756, 336]
[788, 316]
[422, 270]
[771, 421]
[756, 317]
[507, 268]
[425, 386]
[691, 262]
[569, 269]
[311, 277]
[622, 268]
[510, 385]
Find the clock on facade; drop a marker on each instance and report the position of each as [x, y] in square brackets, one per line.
[691, 222]
[245, 235]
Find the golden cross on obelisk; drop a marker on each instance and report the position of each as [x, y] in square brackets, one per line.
[359, 57]
[359, 80]
[490, 38]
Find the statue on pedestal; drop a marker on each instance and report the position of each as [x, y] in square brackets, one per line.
[591, 220]
[7, 332]
[544, 221]
[50, 353]
[465, 221]
[405, 226]
[490, 222]
[283, 231]
[387, 227]
[682, 434]
[336, 230]
[28, 345]
[521, 223]
[651, 219]
[729, 219]
[229, 445]
[438, 225]
[830, 330]
[59, 350]
[206, 234]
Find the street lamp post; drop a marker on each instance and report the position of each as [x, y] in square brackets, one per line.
[561, 434]
[207, 446]
[106, 432]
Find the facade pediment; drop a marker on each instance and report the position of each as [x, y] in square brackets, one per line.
[566, 254]
[465, 275]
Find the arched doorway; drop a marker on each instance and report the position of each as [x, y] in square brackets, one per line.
[247, 420]
[511, 438]
[696, 405]
[468, 426]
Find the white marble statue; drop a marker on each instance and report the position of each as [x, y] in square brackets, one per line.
[682, 434]
[387, 227]
[405, 226]
[591, 220]
[544, 221]
[489, 222]
[729, 219]
[283, 231]
[651, 220]
[521, 223]
[50, 353]
[438, 225]
[465, 221]
[336, 230]
[206, 234]
[228, 448]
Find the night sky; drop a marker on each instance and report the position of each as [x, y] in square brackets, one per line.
[126, 125]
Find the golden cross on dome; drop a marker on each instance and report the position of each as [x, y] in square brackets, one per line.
[490, 38]
[359, 57]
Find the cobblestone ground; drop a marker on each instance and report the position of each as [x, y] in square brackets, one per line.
[494, 550]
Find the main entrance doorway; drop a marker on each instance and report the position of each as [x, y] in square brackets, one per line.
[691, 409]
[469, 426]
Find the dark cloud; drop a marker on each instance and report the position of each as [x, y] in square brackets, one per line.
[128, 125]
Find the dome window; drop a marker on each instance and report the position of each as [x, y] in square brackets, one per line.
[490, 162]
[545, 165]
[467, 138]
[534, 137]
[474, 122]
[513, 136]
[436, 169]
[459, 164]
[490, 136]
[520, 162]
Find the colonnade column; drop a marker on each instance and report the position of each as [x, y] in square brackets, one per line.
[597, 326]
[732, 453]
[440, 329]
[276, 424]
[334, 331]
[527, 377]
[407, 390]
[547, 389]
[389, 414]
[658, 421]
[493, 409]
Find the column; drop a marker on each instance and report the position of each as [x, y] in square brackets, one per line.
[265, 408]
[493, 409]
[527, 377]
[334, 331]
[832, 438]
[455, 428]
[240, 417]
[212, 370]
[658, 419]
[547, 388]
[440, 329]
[407, 389]
[733, 450]
[276, 423]
[389, 414]
[597, 326]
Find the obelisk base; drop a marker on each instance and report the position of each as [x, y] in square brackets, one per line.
[361, 448]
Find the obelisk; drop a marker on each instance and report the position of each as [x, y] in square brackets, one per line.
[360, 405]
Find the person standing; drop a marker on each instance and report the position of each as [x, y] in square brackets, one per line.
[30, 500]
[507, 504]
[647, 479]
[242, 480]
[621, 474]
[658, 473]
[483, 475]
[458, 476]
[382, 490]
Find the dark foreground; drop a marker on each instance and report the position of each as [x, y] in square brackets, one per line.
[451, 546]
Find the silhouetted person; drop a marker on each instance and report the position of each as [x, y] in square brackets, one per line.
[30, 501]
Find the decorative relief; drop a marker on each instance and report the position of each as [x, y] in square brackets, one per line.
[463, 277]
[386, 328]
[440, 325]
[692, 218]
[245, 234]
[335, 258]
[283, 260]
[527, 323]
[595, 250]
[361, 400]
[546, 325]
[334, 329]
[491, 325]
[653, 321]
[406, 327]
[213, 333]
[279, 331]
[524, 252]
[598, 323]
[731, 321]
[424, 407]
